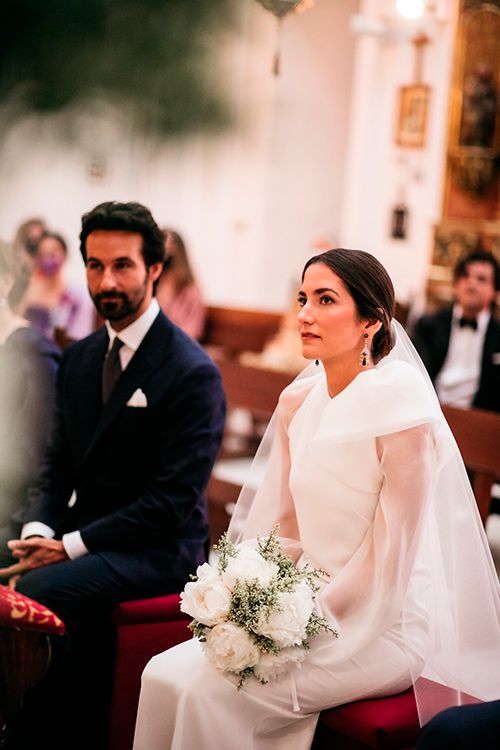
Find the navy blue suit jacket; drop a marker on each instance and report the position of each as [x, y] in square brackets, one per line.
[139, 473]
[431, 338]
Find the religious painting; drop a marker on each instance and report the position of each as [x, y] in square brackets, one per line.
[412, 118]
[480, 77]
[473, 165]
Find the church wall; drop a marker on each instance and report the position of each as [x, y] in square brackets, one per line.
[310, 158]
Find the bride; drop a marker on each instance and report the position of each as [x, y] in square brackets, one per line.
[364, 476]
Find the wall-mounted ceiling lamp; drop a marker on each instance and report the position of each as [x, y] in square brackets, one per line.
[410, 9]
[401, 20]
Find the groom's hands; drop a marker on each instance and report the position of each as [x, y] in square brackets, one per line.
[33, 553]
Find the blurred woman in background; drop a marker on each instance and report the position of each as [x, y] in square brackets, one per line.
[27, 235]
[50, 302]
[178, 294]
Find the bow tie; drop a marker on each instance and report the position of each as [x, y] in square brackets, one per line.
[470, 322]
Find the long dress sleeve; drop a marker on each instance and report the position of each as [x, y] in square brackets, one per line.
[366, 597]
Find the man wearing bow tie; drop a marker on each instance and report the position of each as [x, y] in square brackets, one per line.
[138, 423]
[461, 347]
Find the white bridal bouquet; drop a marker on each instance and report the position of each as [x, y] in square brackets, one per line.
[254, 613]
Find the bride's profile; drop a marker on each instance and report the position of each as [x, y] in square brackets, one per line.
[365, 480]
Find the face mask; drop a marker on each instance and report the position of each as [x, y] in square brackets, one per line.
[49, 266]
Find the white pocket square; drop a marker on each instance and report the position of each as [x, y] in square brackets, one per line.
[138, 399]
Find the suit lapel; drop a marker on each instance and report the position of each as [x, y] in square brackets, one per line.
[153, 351]
[490, 345]
[443, 339]
[90, 383]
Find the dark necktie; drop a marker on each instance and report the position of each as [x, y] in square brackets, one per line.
[468, 322]
[112, 369]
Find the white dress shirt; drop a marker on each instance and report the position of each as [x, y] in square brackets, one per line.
[458, 380]
[132, 337]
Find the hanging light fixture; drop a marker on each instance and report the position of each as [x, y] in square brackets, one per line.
[280, 9]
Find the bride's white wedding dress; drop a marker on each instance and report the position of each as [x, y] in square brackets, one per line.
[352, 478]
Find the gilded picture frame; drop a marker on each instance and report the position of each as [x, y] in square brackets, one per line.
[413, 110]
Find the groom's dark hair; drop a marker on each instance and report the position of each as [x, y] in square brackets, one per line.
[127, 217]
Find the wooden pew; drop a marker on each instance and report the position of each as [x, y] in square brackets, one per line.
[257, 391]
[253, 388]
[477, 433]
[230, 331]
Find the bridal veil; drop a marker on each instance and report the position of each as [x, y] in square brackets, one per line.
[428, 546]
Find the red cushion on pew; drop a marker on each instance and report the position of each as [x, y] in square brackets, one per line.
[148, 610]
[144, 627]
[22, 613]
[381, 723]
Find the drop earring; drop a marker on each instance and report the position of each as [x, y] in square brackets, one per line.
[364, 357]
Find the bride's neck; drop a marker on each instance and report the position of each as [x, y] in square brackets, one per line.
[340, 374]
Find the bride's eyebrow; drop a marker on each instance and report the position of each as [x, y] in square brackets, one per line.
[324, 289]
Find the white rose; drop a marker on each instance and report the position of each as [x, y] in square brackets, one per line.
[247, 566]
[206, 571]
[229, 648]
[271, 666]
[288, 627]
[208, 599]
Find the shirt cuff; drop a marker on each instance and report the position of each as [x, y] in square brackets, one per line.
[37, 528]
[74, 546]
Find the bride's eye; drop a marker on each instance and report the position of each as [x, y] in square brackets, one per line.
[301, 301]
[325, 299]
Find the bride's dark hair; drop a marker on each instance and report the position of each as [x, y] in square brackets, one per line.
[369, 285]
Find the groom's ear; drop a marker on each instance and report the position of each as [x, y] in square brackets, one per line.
[155, 270]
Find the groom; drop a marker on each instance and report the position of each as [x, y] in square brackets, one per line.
[138, 423]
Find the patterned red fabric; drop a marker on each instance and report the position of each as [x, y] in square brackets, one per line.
[21, 612]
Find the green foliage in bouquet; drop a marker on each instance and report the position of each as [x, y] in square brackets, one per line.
[250, 597]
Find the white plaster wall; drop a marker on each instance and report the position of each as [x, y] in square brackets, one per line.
[310, 155]
[250, 202]
[379, 173]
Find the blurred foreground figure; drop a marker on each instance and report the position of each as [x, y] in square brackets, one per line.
[475, 727]
[28, 364]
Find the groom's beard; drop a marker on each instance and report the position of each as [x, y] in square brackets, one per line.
[119, 305]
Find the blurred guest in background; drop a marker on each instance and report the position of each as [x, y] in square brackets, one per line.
[50, 302]
[27, 235]
[283, 351]
[178, 294]
[460, 347]
[28, 364]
